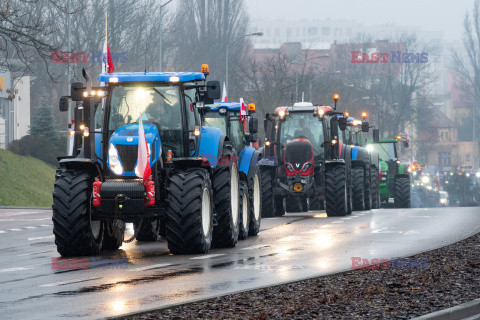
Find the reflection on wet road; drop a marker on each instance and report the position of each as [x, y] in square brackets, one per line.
[289, 248]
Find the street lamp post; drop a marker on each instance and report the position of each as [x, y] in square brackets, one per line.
[160, 35]
[258, 34]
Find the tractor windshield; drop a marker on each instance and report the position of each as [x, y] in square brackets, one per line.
[216, 120]
[160, 105]
[386, 151]
[303, 125]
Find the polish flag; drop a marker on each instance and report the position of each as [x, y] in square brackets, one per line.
[224, 93]
[143, 163]
[107, 63]
[243, 109]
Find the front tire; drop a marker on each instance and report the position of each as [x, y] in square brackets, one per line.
[368, 189]
[293, 204]
[375, 186]
[114, 233]
[402, 192]
[226, 201]
[244, 212]
[189, 221]
[148, 230]
[268, 208]
[75, 233]
[358, 191]
[255, 199]
[336, 191]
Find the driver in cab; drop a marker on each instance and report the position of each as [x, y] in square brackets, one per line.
[304, 132]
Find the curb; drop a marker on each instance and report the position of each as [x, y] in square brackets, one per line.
[34, 208]
[463, 311]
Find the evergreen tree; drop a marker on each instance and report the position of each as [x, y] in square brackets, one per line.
[43, 121]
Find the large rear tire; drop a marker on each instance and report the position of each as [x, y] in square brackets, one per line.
[336, 191]
[402, 192]
[226, 192]
[255, 200]
[316, 203]
[266, 177]
[358, 190]
[189, 221]
[75, 233]
[244, 212]
[148, 230]
[114, 233]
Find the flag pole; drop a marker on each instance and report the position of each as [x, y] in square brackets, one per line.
[106, 34]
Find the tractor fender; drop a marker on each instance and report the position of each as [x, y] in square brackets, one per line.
[81, 164]
[402, 176]
[249, 157]
[361, 154]
[192, 162]
[212, 141]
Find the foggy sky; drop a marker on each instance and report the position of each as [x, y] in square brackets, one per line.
[430, 15]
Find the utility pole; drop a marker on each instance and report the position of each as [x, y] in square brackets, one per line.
[160, 33]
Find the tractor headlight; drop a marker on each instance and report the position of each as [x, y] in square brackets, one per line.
[307, 166]
[425, 179]
[114, 160]
[289, 167]
[477, 174]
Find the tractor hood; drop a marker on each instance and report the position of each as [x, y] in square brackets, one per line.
[125, 142]
[299, 157]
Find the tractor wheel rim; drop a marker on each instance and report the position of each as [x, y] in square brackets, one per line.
[256, 197]
[245, 211]
[234, 201]
[206, 211]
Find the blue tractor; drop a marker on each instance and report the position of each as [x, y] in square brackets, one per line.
[192, 195]
[226, 117]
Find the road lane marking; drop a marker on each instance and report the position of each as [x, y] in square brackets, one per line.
[32, 253]
[45, 225]
[24, 268]
[208, 256]
[411, 232]
[31, 227]
[258, 246]
[67, 282]
[366, 211]
[14, 229]
[153, 266]
[2, 231]
[339, 221]
[346, 218]
[41, 238]
[383, 230]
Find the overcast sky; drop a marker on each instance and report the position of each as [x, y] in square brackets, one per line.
[430, 15]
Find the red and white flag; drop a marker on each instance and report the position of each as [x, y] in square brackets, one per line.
[143, 162]
[224, 93]
[243, 108]
[107, 63]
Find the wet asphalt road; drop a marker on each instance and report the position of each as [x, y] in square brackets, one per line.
[289, 248]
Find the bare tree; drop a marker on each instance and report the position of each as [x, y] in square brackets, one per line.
[466, 63]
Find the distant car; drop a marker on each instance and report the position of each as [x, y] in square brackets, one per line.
[447, 170]
[444, 200]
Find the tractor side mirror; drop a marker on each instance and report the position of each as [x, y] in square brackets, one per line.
[406, 144]
[213, 90]
[76, 91]
[253, 125]
[376, 136]
[342, 123]
[63, 105]
[365, 127]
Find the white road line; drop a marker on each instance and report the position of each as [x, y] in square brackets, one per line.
[339, 221]
[411, 232]
[383, 230]
[67, 282]
[346, 218]
[2, 231]
[45, 225]
[31, 227]
[208, 256]
[258, 246]
[314, 231]
[153, 266]
[32, 253]
[366, 211]
[14, 229]
[41, 238]
[16, 269]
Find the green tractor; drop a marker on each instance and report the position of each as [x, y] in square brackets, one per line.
[394, 176]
